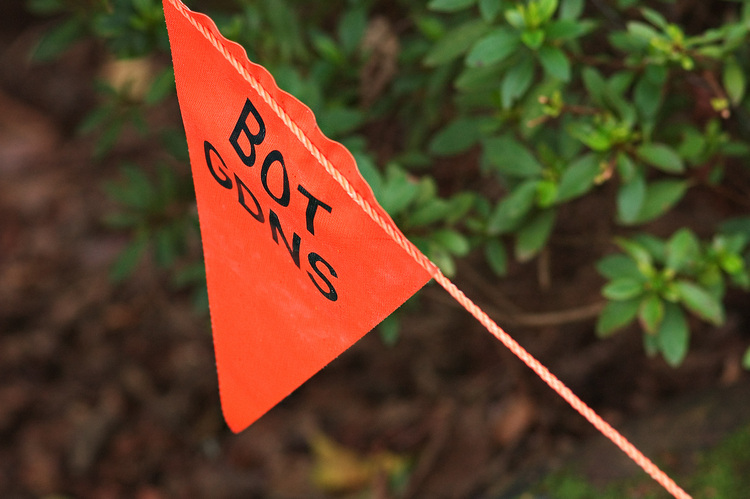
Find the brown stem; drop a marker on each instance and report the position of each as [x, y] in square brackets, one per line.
[529, 319]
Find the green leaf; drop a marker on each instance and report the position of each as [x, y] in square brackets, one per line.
[651, 313]
[432, 211]
[459, 205]
[174, 142]
[58, 39]
[442, 259]
[637, 252]
[616, 315]
[683, 249]
[457, 136]
[533, 235]
[136, 191]
[578, 178]
[661, 156]
[389, 330]
[533, 38]
[570, 10]
[336, 121]
[351, 28]
[630, 199]
[656, 247]
[453, 241]
[595, 138]
[712, 282]
[368, 169]
[648, 91]
[497, 257]
[45, 7]
[143, 7]
[642, 31]
[730, 243]
[555, 62]
[327, 48]
[546, 9]
[740, 225]
[546, 193]
[735, 149]
[128, 259]
[734, 80]
[450, 5]
[509, 212]
[489, 9]
[746, 359]
[619, 83]
[731, 263]
[398, 191]
[516, 81]
[455, 42]
[95, 119]
[660, 197]
[199, 299]
[515, 18]
[654, 18]
[479, 78]
[166, 246]
[511, 158]
[693, 145]
[623, 288]
[617, 266]
[700, 302]
[565, 29]
[626, 167]
[162, 86]
[167, 185]
[608, 94]
[710, 36]
[595, 85]
[192, 274]
[493, 48]
[674, 335]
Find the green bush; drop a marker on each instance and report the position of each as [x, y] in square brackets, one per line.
[551, 100]
[560, 104]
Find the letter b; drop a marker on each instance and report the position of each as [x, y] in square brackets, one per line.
[241, 128]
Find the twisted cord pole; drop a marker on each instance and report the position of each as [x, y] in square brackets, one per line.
[387, 225]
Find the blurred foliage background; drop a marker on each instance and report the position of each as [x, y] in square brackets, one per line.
[477, 123]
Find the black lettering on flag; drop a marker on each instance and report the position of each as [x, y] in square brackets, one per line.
[241, 128]
[276, 230]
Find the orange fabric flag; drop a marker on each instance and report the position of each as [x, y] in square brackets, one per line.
[296, 270]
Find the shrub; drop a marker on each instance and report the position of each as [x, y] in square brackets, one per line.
[556, 100]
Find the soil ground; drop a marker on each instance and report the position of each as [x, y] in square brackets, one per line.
[109, 390]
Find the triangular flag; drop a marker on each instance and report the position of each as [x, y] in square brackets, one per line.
[296, 270]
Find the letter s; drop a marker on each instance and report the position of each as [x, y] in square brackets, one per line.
[314, 259]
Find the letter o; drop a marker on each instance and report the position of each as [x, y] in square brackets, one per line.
[276, 157]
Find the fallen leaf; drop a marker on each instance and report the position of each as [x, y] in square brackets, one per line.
[338, 469]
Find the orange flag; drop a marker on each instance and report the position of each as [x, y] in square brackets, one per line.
[296, 270]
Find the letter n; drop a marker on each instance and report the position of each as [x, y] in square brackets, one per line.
[276, 230]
